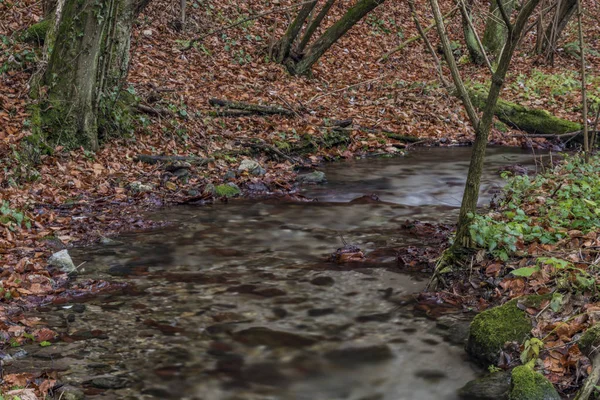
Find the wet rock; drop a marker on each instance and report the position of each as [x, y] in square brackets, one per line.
[359, 354]
[108, 382]
[178, 166]
[280, 312]
[431, 375]
[62, 260]
[257, 187]
[375, 317]
[319, 312]
[453, 330]
[68, 392]
[230, 363]
[229, 175]
[120, 270]
[323, 281]
[495, 386]
[217, 329]
[78, 308]
[270, 292]
[264, 373]
[259, 336]
[252, 167]
[315, 177]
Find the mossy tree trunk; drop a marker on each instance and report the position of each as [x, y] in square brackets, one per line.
[299, 61]
[475, 53]
[495, 34]
[88, 61]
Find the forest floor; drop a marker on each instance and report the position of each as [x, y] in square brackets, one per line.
[76, 197]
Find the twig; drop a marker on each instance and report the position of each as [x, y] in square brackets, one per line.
[345, 88]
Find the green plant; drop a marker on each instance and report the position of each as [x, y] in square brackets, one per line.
[12, 218]
[531, 351]
[493, 368]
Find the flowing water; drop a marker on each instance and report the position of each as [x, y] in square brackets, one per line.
[239, 300]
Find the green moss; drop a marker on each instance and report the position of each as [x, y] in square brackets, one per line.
[492, 328]
[528, 384]
[227, 191]
[526, 119]
[590, 339]
[36, 33]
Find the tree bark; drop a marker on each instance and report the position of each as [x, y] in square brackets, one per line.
[86, 68]
[475, 53]
[556, 26]
[314, 24]
[286, 42]
[330, 37]
[495, 34]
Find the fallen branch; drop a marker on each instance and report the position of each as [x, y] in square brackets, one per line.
[152, 159]
[157, 112]
[249, 107]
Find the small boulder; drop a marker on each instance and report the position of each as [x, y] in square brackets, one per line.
[68, 392]
[63, 261]
[315, 178]
[494, 386]
[139, 187]
[252, 167]
[492, 328]
[528, 384]
[353, 354]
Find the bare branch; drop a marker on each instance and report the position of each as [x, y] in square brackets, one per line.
[505, 17]
[465, 14]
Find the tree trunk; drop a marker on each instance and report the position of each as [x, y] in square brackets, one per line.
[314, 24]
[495, 34]
[556, 26]
[332, 35]
[470, 36]
[86, 68]
[286, 42]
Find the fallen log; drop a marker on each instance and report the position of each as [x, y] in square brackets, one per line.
[152, 159]
[249, 107]
[529, 120]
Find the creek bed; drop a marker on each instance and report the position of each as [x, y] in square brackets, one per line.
[238, 301]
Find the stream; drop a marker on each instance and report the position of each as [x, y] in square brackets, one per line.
[239, 301]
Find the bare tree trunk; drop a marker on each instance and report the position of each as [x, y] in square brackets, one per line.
[332, 35]
[314, 24]
[483, 126]
[565, 9]
[584, 111]
[286, 42]
[182, 12]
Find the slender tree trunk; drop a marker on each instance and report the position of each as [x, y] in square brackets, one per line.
[482, 126]
[331, 36]
[586, 143]
[87, 64]
[553, 32]
[314, 24]
[495, 33]
[286, 42]
[182, 12]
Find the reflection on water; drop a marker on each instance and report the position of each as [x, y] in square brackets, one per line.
[239, 301]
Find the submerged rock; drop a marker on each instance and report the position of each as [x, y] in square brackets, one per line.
[63, 261]
[528, 384]
[261, 336]
[360, 354]
[492, 328]
[322, 281]
[315, 177]
[68, 392]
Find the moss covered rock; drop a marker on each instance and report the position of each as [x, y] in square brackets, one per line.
[36, 33]
[228, 190]
[590, 340]
[492, 328]
[528, 384]
[494, 386]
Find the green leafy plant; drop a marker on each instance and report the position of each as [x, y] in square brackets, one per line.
[12, 218]
[531, 351]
